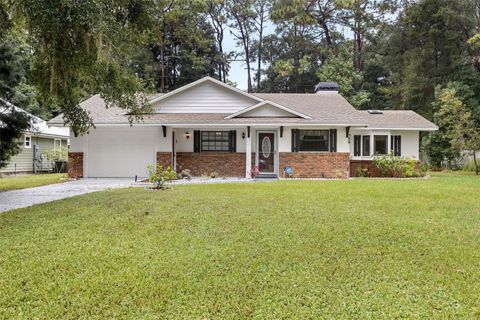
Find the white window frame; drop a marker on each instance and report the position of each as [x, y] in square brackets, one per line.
[55, 144]
[372, 134]
[29, 141]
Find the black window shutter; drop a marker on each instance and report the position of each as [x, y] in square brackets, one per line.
[196, 141]
[356, 145]
[232, 141]
[392, 145]
[397, 145]
[333, 140]
[295, 140]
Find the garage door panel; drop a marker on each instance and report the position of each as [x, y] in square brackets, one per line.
[123, 161]
[120, 153]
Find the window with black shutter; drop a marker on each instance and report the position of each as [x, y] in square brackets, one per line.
[295, 138]
[196, 141]
[313, 140]
[220, 141]
[357, 145]
[233, 141]
[333, 140]
[366, 146]
[396, 145]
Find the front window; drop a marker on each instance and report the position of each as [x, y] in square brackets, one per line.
[380, 144]
[28, 142]
[314, 140]
[57, 144]
[214, 140]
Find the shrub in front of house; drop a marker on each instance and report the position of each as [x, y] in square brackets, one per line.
[158, 175]
[389, 165]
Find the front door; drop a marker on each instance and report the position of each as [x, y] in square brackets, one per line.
[266, 153]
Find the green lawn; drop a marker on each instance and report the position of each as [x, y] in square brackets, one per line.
[289, 249]
[29, 181]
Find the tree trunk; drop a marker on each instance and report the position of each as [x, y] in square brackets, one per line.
[249, 79]
[244, 36]
[475, 162]
[162, 68]
[259, 57]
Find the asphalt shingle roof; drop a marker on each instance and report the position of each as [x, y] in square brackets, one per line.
[324, 108]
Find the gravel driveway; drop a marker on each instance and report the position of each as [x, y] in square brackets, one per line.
[27, 197]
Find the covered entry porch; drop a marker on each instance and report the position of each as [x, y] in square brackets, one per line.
[236, 152]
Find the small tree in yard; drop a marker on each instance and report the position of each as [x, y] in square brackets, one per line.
[12, 125]
[159, 176]
[460, 127]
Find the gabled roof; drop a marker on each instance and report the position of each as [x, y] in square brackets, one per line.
[306, 109]
[198, 82]
[40, 126]
[270, 103]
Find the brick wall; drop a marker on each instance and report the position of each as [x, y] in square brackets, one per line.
[164, 159]
[224, 163]
[316, 164]
[369, 169]
[75, 165]
[364, 165]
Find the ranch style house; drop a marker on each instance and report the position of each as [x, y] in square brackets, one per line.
[208, 126]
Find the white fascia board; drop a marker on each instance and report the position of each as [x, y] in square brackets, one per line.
[268, 102]
[398, 129]
[205, 79]
[183, 125]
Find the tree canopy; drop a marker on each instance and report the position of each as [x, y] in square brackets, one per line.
[388, 54]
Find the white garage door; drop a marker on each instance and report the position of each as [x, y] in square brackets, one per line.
[120, 152]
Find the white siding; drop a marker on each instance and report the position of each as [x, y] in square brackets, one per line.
[267, 111]
[207, 97]
[182, 143]
[410, 141]
[121, 151]
[186, 145]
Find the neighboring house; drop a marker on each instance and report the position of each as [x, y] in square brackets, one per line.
[208, 126]
[36, 143]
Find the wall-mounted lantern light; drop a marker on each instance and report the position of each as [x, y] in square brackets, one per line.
[187, 135]
[243, 135]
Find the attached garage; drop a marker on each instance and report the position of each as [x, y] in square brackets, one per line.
[120, 152]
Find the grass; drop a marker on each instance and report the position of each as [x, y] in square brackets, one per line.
[30, 181]
[290, 249]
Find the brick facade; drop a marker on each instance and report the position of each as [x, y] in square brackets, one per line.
[365, 166]
[304, 164]
[316, 164]
[368, 169]
[75, 165]
[164, 159]
[223, 163]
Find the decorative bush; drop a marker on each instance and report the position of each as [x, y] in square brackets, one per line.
[363, 172]
[391, 166]
[159, 176]
[60, 154]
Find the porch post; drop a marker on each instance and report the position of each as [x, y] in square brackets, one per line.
[389, 145]
[248, 154]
